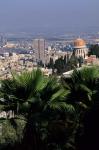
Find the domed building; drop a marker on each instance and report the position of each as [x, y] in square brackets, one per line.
[80, 48]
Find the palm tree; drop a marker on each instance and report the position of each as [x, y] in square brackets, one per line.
[36, 98]
[83, 86]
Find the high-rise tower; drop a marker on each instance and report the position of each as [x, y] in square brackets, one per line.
[39, 47]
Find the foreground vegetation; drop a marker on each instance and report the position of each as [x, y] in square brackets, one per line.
[50, 113]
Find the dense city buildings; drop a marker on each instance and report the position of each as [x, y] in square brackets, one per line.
[27, 54]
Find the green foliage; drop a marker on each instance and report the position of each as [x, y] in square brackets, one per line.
[12, 131]
[37, 98]
[49, 113]
[94, 50]
[82, 85]
[64, 64]
[51, 64]
[60, 65]
[8, 133]
[72, 63]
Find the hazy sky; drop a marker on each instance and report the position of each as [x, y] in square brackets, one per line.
[42, 15]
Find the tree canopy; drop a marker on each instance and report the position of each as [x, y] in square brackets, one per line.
[50, 113]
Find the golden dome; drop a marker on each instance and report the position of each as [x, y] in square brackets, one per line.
[79, 43]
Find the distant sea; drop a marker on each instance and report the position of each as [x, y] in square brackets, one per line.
[51, 32]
